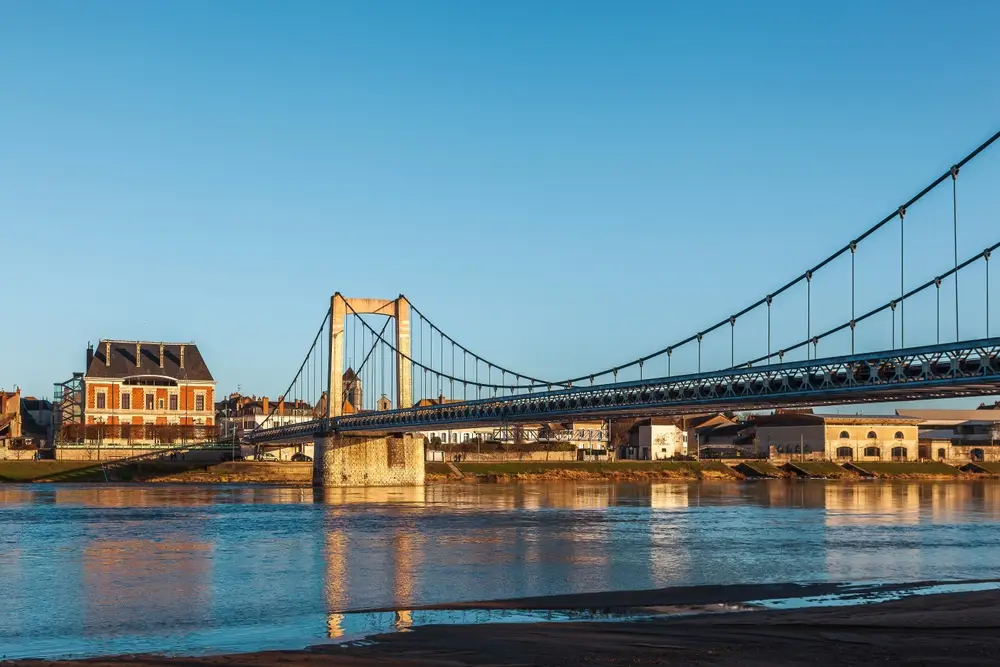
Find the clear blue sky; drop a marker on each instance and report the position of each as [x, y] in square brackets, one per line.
[560, 185]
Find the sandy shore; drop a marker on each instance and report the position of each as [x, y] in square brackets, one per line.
[954, 629]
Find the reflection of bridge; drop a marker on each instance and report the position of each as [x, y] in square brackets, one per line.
[416, 377]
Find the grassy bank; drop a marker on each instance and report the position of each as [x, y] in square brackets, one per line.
[32, 471]
[156, 471]
[500, 472]
[514, 471]
[909, 469]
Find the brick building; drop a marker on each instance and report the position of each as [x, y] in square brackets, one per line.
[147, 393]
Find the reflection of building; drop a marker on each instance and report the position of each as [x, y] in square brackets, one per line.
[149, 393]
[958, 435]
[838, 437]
[130, 583]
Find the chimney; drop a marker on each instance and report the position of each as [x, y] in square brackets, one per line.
[265, 405]
[182, 356]
[281, 406]
[90, 356]
[107, 353]
[138, 354]
[161, 355]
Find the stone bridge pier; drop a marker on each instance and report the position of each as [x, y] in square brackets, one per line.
[371, 459]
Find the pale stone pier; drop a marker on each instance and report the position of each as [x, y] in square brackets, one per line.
[341, 460]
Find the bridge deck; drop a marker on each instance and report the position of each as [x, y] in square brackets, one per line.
[938, 371]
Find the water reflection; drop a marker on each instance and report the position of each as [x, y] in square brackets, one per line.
[130, 567]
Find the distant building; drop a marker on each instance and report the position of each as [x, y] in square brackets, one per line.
[239, 415]
[958, 435]
[10, 415]
[838, 437]
[147, 393]
[25, 425]
[661, 438]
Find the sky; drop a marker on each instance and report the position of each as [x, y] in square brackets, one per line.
[561, 185]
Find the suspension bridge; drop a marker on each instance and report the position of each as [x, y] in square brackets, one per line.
[407, 374]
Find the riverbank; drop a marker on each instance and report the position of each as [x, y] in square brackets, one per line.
[951, 628]
[300, 474]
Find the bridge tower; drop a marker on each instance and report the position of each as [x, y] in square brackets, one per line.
[372, 459]
[398, 309]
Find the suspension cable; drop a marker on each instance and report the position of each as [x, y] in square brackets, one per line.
[913, 292]
[845, 249]
[297, 374]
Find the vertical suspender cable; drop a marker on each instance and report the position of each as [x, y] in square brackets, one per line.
[937, 284]
[809, 285]
[854, 247]
[769, 299]
[986, 255]
[954, 208]
[732, 341]
[902, 292]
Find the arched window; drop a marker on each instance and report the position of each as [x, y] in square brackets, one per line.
[899, 435]
[942, 454]
[977, 455]
[845, 453]
[899, 453]
[844, 435]
[873, 451]
[872, 435]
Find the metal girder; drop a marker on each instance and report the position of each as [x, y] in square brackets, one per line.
[940, 371]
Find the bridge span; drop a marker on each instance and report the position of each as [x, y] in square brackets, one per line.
[938, 371]
[407, 375]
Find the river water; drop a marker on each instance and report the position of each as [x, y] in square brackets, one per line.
[91, 570]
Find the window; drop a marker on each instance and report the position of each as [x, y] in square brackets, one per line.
[149, 401]
[845, 453]
[199, 402]
[102, 400]
[977, 455]
[873, 451]
[159, 404]
[173, 401]
[899, 435]
[844, 435]
[899, 453]
[942, 454]
[465, 437]
[872, 435]
[126, 401]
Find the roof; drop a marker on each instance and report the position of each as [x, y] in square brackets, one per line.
[123, 361]
[684, 421]
[951, 417]
[804, 419]
[32, 403]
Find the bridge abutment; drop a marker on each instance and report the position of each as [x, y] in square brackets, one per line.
[341, 460]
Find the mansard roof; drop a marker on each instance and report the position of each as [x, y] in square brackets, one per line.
[123, 361]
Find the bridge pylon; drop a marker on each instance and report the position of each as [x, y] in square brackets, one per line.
[399, 310]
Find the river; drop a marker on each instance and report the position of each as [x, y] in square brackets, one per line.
[92, 570]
